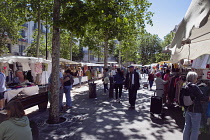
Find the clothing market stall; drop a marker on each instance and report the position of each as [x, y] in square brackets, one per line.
[74, 68]
[93, 70]
[25, 77]
[192, 43]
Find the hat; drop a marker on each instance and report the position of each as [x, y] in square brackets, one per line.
[158, 74]
[130, 66]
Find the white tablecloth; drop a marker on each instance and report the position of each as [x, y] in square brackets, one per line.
[9, 94]
[100, 75]
[76, 80]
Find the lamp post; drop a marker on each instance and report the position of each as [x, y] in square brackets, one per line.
[46, 37]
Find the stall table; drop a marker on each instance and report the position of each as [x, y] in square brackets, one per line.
[84, 79]
[29, 96]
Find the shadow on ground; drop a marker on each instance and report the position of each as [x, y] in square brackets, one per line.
[102, 118]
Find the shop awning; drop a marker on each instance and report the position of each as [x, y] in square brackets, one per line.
[194, 26]
[91, 64]
[136, 65]
[162, 62]
[68, 61]
[200, 44]
[12, 59]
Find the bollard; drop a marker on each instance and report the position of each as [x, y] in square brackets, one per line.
[92, 90]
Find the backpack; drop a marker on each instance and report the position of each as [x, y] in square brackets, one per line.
[185, 98]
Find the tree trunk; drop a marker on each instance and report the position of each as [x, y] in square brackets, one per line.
[88, 55]
[99, 52]
[54, 106]
[71, 45]
[38, 35]
[120, 54]
[106, 51]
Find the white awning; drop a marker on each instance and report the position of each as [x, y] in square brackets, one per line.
[91, 64]
[194, 26]
[12, 59]
[136, 65]
[200, 44]
[68, 61]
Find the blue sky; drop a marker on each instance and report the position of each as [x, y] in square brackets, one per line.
[167, 14]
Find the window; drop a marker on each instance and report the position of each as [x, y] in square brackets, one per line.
[91, 57]
[21, 49]
[35, 26]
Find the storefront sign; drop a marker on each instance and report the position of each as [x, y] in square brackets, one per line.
[206, 74]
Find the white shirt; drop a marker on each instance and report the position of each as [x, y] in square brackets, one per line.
[160, 83]
[133, 79]
[113, 72]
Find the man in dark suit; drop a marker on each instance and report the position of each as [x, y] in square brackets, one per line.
[132, 84]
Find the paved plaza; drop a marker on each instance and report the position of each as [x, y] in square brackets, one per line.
[105, 119]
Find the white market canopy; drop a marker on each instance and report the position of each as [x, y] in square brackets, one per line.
[196, 27]
[136, 65]
[91, 64]
[12, 59]
[68, 61]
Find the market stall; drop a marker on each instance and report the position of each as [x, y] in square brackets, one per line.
[191, 42]
[95, 69]
[73, 66]
[26, 77]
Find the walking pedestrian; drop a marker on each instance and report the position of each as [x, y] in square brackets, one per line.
[67, 82]
[80, 75]
[166, 86]
[16, 127]
[151, 79]
[113, 72]
[105, 79]
[194, 112]
[132, 84]
[2, 89]
[118, 84]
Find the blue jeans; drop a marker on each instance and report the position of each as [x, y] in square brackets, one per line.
[80, 80]
[67, 91]
[192, 125]
[151, 83]
[106, 88]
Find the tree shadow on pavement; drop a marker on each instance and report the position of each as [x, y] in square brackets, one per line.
[104, 118]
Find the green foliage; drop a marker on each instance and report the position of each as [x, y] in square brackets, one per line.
[64, 46]
[31, 50]
[65, 38]
[167, 41]
[112, 19]
[9, 30]
[149, 46]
